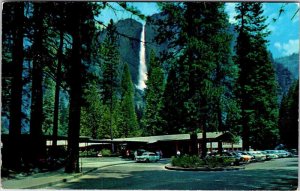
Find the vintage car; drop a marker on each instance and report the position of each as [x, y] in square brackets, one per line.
[147, 157]
[269, 155]
[258, 156]
[244, 158]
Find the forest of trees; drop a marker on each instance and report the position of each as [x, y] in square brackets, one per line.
[60, 78]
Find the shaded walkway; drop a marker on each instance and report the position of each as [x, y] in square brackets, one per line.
[41, 180]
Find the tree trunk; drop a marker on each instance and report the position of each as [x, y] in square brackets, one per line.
[219, 102]
[36, 117]
[16, 88]
[245, 133]
[194, 143]
[72, 163]
[57, 89]
[204, 140]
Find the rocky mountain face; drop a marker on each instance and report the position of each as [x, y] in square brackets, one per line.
[286, 68]
[287, 71]
[129, 34]
[284, 78]
[129, 45]
[291, 63]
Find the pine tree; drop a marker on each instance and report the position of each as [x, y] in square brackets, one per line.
[91, 113]
[197, 53]
[110, 60]
[128, 125]
[171, 106]
[16, 9]
[288, 117]
[48, 100]
[39, 59]
[80, 19]
[152, 119]
[257, 83]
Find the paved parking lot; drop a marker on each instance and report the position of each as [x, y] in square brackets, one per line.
[280, 174]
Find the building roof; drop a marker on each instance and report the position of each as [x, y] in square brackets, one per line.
[211, 136]
[160, 138]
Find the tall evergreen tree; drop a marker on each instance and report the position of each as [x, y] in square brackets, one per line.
[152, 119]
[91, 113]
[110, 60]
[196, 44]
[80, 25]
[48, 99]
[16, 82]
[257, 84]
[171, 109]
[39, 59]
[288, 117]
[129, 125]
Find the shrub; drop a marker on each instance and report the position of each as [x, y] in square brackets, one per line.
[88, 153]
[219, 161]
[105, 152]
[186, 161]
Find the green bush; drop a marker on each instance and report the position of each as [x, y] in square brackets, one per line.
[105, 152]
[88, 153]
[219, 161]
[186, 161]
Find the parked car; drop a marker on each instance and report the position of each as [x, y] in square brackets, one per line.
[236, 157]
[282, 153]
[138, 152]
[294, 152]
[244, 158]
[258, 156]
[147, 157]
[252, 158]
[279, 153]
[272, 152]
[270, 155]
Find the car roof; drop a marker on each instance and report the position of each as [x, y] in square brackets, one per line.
[148, 153]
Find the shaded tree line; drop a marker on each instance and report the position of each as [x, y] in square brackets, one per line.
[77, 85]
[69, 79]
[210, 86]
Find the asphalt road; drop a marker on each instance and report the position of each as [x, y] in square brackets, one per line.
[280, 174]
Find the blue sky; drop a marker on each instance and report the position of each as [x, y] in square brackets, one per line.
[284, 38]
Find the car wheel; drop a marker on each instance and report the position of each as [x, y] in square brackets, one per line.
[147, 160]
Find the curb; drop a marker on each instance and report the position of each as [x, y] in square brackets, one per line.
[170, 167]
[71, 177]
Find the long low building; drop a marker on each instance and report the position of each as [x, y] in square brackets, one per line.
[168, 144]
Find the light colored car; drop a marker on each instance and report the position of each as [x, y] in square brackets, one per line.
[270, 155]
[279, 153]
[282, 153]
[258, 156]
[147, 157]
[244, 158]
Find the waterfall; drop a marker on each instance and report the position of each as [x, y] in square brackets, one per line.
[142, 68]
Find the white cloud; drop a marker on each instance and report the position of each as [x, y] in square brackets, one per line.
[278, 45]
[292, 46]
[230, 9]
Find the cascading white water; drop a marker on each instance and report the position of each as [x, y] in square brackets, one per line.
[142, 68]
